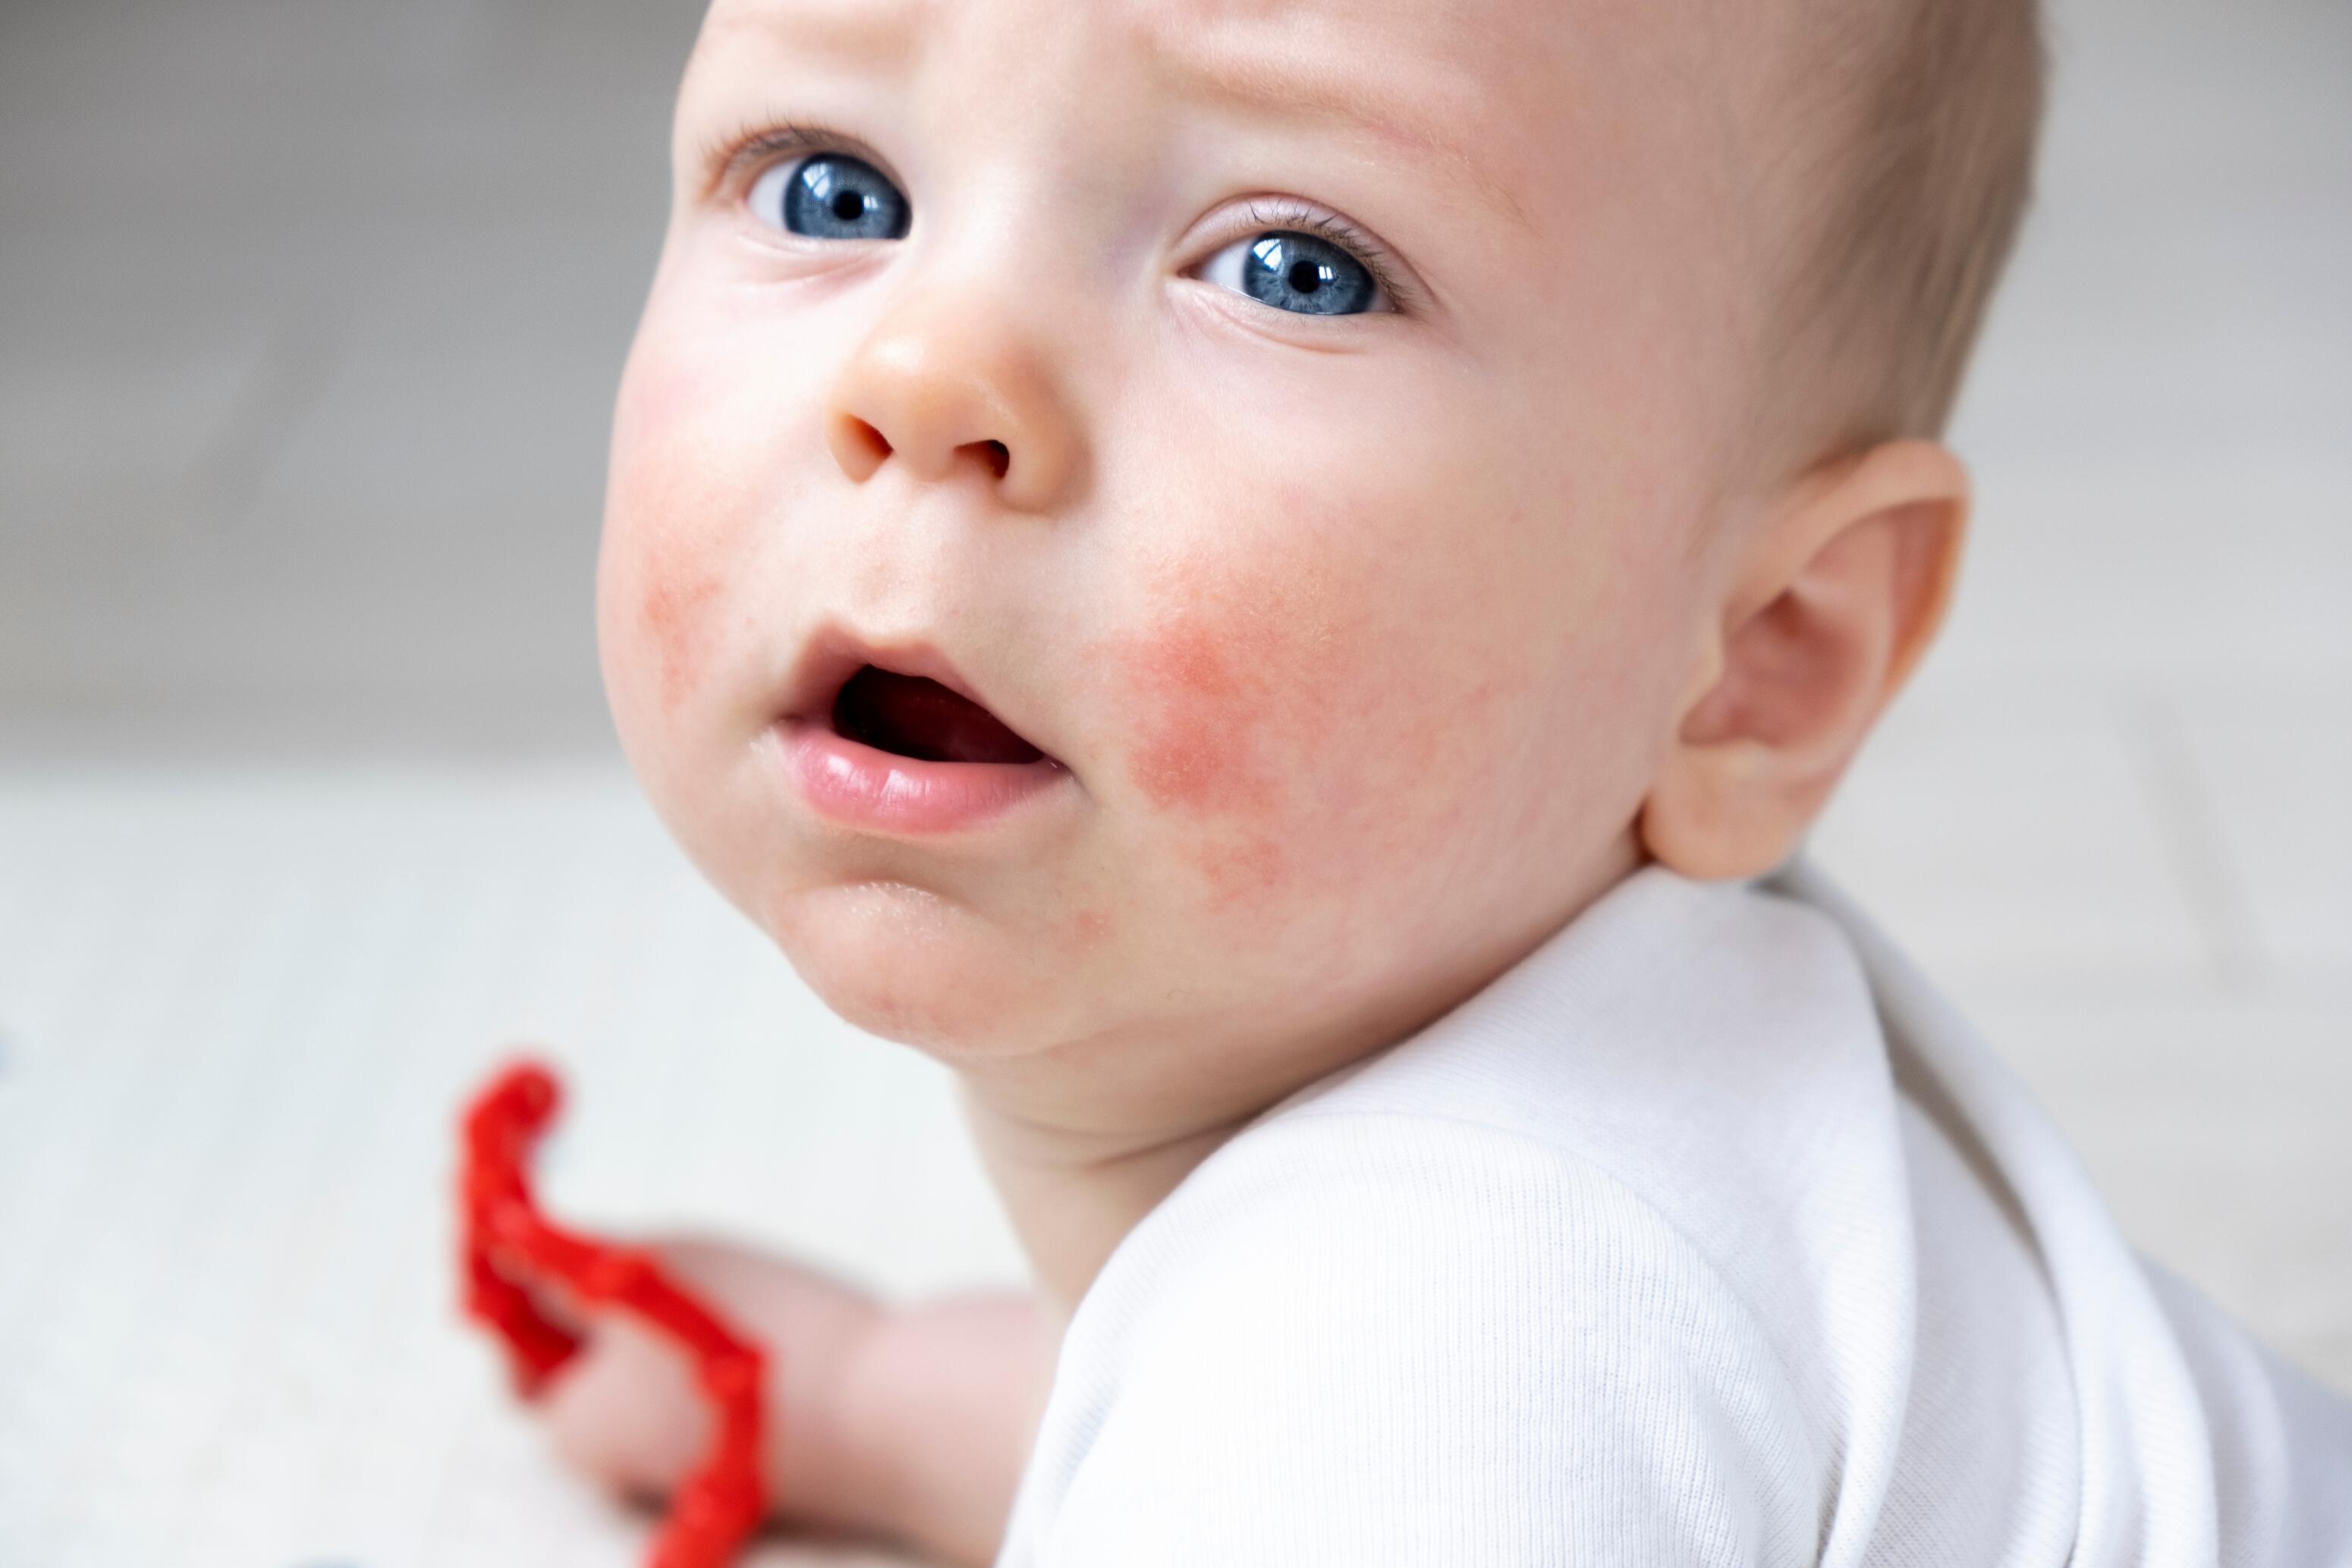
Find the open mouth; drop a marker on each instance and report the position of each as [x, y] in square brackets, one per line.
[916, 717]
[909, 751]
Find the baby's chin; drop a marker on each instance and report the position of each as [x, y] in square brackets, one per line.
[909, 965]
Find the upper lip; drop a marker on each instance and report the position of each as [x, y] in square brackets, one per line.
[834, 655]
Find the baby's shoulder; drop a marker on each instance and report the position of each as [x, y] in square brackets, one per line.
[1698, 1064]
[1434, 1232]
[1376, 1192]
[1404, 1338]
[1607, 1257]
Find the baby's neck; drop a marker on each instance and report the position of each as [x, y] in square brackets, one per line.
[1084, 1140]
[1072, 1200]
[1080, 1153]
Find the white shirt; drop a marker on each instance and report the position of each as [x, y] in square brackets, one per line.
[1707, 1236]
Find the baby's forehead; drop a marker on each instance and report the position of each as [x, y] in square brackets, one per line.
[1468, 58]
[1504, 94]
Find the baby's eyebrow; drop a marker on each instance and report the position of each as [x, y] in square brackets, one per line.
[1303, 87]
[880, 33]
[1297, 85]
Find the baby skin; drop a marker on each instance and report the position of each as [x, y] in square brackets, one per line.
[1157, 546]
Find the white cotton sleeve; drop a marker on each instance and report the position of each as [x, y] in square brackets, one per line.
[1390, 1340]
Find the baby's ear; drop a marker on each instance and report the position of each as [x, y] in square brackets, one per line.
[1833, 596]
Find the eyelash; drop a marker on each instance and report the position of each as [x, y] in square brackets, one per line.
[1265, 213]
[756, 146]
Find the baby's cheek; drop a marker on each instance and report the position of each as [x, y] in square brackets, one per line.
[674, 609]
[1267, 714]
[1206, 682]
[669, 517]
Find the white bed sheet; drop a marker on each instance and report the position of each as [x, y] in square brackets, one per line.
[236, 1016]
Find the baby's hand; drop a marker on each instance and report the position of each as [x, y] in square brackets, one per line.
[911, 1424]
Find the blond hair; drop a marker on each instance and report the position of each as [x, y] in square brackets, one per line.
[1913, 151]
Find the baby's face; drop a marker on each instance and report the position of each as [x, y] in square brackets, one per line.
[1167, 526]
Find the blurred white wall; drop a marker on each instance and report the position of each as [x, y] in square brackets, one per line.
[310, 312]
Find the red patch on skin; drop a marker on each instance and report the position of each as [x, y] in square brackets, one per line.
[1090, 928]
[1254, 863]
[1235, 682]
[675, 603]
[673, 521]
[1197, 755]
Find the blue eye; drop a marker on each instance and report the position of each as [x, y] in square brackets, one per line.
[1301, 273]
[831, 195]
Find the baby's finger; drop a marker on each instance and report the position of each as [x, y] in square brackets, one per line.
[625, 1413]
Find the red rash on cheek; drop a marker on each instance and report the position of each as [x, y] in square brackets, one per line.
[1235, 688]
[1090, 928]
[671, 519]
[1199, 752]
[674, 609]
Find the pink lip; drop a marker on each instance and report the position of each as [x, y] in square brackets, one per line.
[834, 655]
[859, 786]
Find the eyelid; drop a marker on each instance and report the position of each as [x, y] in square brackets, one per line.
[736, 160]
[1261, 214]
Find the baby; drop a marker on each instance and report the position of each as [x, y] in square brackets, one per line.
[1263, 578]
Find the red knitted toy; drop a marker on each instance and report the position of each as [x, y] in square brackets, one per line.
[510, 1249]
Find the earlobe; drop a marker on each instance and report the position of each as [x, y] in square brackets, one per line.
[1835, 594]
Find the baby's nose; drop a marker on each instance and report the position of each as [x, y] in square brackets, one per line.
[946, 391]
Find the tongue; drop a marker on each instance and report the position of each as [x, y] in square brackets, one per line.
[909, 716]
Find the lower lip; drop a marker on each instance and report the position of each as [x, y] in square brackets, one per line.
[859, 786]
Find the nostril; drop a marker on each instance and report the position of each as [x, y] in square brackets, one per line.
[997, 456]
[857, 447]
